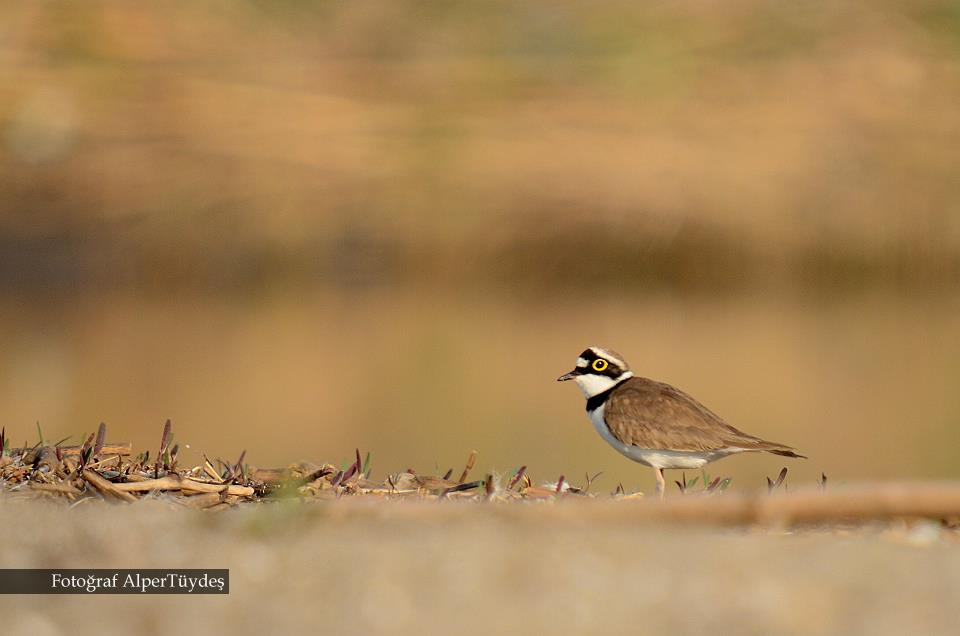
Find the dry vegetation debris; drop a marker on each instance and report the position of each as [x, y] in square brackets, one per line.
[100, 470]
[111, 471]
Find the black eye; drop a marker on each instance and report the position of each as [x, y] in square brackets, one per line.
[599, 364]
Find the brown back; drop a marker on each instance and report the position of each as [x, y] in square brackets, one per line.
[649, 414]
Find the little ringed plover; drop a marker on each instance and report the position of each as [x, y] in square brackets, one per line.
[654, 423]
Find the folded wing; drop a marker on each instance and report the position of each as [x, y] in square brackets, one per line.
[650, 414]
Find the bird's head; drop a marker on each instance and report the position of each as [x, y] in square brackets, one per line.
[597, 370]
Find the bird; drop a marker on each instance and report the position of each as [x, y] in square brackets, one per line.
[654, 423]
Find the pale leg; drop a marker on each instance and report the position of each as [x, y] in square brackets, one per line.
[661, 484]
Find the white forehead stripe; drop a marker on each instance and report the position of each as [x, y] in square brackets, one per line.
[581, 362]
[603, 353]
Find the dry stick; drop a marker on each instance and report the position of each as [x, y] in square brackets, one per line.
[189, 485]
[210, 470]
[104, 486]
[102, 462]
[466, 471]
[173, 482]
[169, 482]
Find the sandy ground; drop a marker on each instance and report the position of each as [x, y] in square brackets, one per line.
[421, 568]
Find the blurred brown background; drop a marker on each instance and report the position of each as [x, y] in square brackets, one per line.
[299, 228]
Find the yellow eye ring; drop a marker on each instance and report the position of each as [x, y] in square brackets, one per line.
[599, 364]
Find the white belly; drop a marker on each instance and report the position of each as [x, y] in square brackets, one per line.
[655, 457]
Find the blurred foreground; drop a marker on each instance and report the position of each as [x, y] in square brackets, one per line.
[470, 569]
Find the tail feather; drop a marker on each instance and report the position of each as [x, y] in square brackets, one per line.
[785, 452]
[749, 442]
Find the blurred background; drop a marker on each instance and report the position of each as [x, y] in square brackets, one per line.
[299, 228]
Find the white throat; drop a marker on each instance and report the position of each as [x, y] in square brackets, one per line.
[595, 384]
